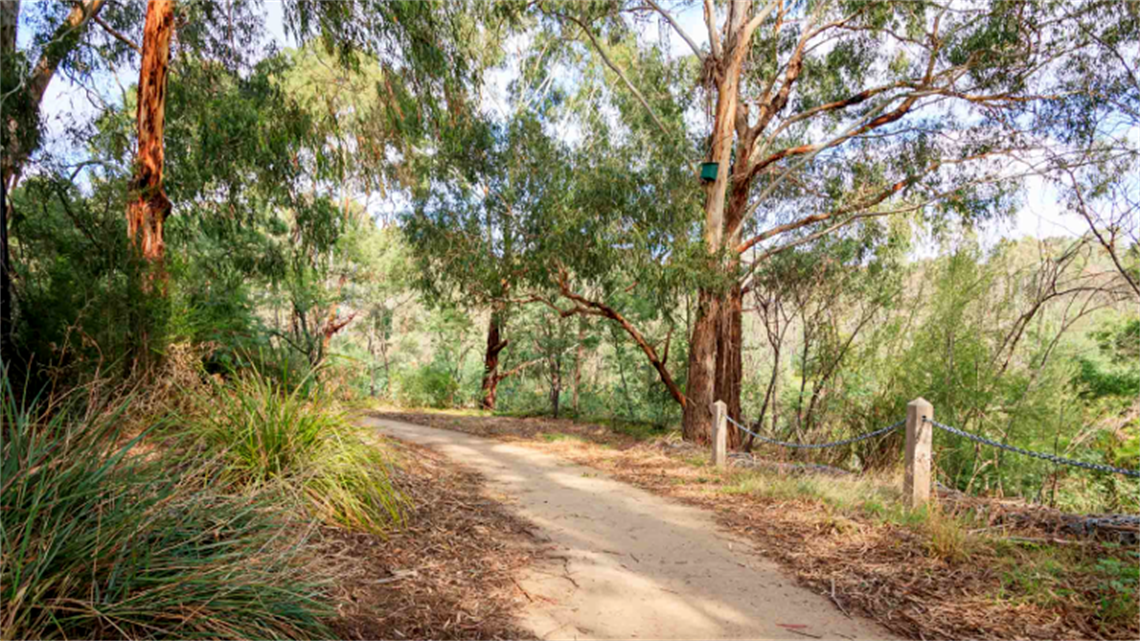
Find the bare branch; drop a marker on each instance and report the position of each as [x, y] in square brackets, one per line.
[595, 308]
[118, 36]
[714, 31]
[617, 70]
[756, 20]
[677, 27]
[519, 368]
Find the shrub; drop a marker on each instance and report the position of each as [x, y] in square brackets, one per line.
[96, 542]
[268, 432]
[428, 386]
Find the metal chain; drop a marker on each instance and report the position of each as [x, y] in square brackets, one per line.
[1052, 458]
[855, 439]
[1046, 457]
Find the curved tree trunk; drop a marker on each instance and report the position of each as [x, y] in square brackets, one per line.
[495, 345]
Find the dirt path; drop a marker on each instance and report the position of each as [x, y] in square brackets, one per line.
[625, 564]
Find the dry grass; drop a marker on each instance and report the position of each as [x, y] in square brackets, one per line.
[448, 574]
[926, 574]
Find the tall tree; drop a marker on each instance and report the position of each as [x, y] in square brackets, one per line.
[476, 224]
[830, 113]
[22, 90]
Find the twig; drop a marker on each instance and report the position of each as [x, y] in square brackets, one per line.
[118, 36]
[1028, 539]
[523, 590]
[835, 600]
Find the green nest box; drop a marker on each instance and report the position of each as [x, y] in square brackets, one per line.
[708, 172]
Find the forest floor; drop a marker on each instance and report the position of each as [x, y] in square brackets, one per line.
[619, 562]
[449, 573]
[781, 564]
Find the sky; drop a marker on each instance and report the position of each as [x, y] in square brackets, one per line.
[1040, 215]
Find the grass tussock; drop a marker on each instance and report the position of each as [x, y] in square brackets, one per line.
[877, 497]
[268, 431]
[96, 542]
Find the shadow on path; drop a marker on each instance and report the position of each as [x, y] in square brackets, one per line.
[627, 564]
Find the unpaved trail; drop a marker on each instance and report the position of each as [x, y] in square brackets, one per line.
[626, 564]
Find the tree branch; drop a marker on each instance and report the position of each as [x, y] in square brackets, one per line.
[714, 32]
[617, 70]
[118, 36]
[594, 308]
[57, 49]
[519, 368]
[677, 27]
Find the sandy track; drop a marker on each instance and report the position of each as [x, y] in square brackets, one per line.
[626, 564]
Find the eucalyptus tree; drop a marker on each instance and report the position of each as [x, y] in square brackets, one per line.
[388, 57]
[1097, 171]
[423, 51]
[477, 221]
[60, 40]
[827, 114]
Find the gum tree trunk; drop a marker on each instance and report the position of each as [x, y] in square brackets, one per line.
[9, 15]
[729, 360]
[730, 337]
[701, 387]
[578, 363]
[495, 345]
[149, 206]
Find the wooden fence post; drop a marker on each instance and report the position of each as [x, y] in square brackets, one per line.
[916, 483]
[720, 434]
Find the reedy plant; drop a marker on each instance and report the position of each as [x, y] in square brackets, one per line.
[272, 432]
[97, 541]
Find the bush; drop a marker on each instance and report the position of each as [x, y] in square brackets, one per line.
[269, 432]
[428, 386]
[96, 542]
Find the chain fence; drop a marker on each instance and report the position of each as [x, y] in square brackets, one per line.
[1052, 458]
[855, 439]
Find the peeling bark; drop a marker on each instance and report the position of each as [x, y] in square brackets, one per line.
[730, 366]
[149, 206]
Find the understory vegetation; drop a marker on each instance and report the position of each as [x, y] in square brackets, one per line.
[102, 538]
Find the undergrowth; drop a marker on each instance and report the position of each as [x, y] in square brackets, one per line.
[1104, 577]
[99, 542]
[876, 498]
[269, 432]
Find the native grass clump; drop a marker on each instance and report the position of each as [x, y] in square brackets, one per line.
[271, 432]
[101, 538]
